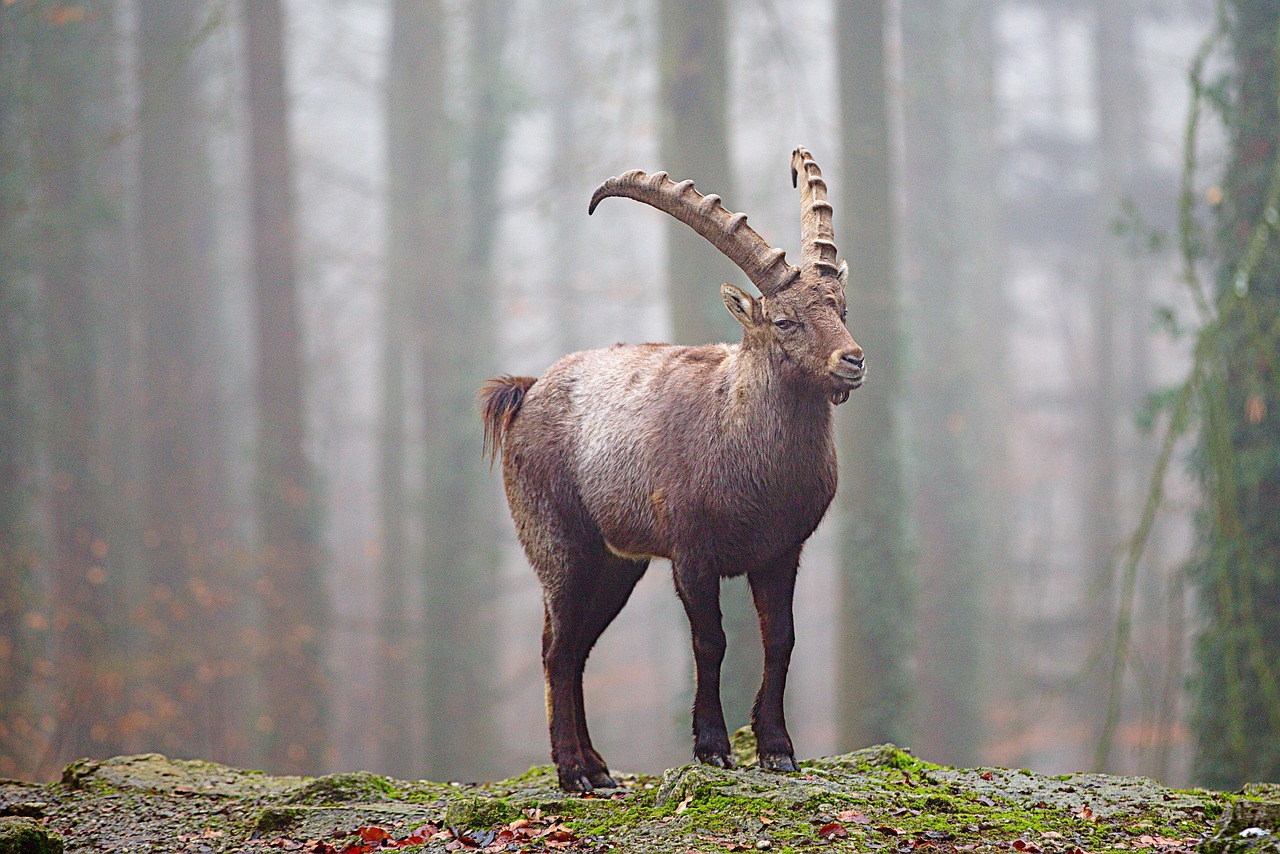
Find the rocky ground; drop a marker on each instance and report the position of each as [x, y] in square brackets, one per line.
[880, 799]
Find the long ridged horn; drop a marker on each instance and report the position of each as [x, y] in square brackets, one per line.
[817, 237]
[766, 267]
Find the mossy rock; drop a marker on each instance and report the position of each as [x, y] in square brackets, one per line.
[154, 773]
[878, 757]
[358, 787]
[275, 819]
[314, 822]
[885, 798]
[1247, 827]
[742, 746]
[479, 813]
[751, 785]
[1262, 791]
[26, 836]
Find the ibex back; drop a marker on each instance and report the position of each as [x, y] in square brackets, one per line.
[718, 457]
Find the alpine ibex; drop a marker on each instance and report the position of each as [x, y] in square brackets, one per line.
[718, 457]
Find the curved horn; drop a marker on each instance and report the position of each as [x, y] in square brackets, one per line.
[817, 237]
[766, 267]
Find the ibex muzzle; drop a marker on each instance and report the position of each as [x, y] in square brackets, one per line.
[718, 457]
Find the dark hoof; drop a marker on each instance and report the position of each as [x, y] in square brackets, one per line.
[602, 780]
[783, 762]
[574, 780]
[720, 760]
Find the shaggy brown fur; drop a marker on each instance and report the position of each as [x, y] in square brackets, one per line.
[718, 457]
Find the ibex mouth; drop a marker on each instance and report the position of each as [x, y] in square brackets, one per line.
[848, 381]
[852, 380]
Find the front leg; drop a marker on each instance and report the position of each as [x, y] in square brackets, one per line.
[773, 589]
[699, 589]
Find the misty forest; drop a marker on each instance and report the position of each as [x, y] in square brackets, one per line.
[257, 257]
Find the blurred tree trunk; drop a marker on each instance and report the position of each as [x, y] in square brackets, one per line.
[291, 572]
[18, 547]
[415, 125]
[948, 114]
[566, 87]
[461, 559]
[395, 689]
[875, 592]
[1099, 499]
[977, 216]
[1112, 297]
[184, 616]
[694, 144]
[1237, 720]
[67, 65]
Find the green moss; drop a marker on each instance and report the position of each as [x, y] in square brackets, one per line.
[355, 787]
[479, 813]
[275, 819]
[76, 775]
[919, 805]
[26, 836]
[611, 818]
[743, 746]
[537, 775]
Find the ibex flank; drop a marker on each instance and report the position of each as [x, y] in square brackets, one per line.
[718, 457]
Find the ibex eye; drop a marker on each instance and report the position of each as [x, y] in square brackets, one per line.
[784, 323]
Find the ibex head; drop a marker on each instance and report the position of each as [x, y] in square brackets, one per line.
[798, 319]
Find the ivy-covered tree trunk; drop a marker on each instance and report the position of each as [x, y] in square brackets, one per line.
[875, 592]
[1237, 720]
[291, 573]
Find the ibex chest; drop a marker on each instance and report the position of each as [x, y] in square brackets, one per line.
[655, 490]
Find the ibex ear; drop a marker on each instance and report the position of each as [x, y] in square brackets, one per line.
[844, 274]
[740, 304]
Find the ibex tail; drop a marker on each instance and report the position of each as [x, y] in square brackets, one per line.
[500, 400]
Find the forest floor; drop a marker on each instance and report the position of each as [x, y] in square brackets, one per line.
[880, 799]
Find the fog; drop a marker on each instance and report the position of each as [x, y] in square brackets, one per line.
[186, 572]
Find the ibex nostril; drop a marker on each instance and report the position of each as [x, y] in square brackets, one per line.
[854, 359]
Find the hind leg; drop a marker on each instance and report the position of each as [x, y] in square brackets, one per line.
[563, 546]
[564, 607]
[615, 580]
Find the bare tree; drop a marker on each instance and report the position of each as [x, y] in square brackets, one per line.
[460, 560]
[18, 422]
[948, 237]
[66, 60]
[416, 204]
[694, 145]
[291, 578]
[875, 611]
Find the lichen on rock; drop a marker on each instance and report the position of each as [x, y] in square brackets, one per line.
[20, 835]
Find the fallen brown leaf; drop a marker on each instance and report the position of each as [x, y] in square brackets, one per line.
[833, 830]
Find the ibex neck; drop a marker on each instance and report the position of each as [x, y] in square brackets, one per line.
[759, 386]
